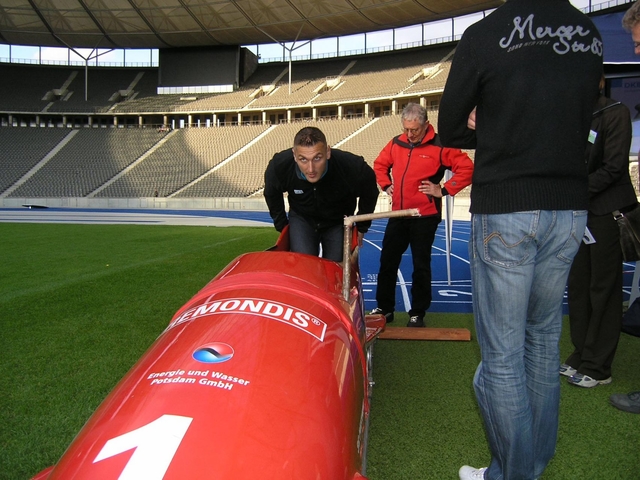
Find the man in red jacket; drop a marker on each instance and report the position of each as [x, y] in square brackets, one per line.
[409, 169]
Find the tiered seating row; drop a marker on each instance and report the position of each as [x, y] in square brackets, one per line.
[187, 155]
[244, 176]
[360, 78]
[371, 140]
[186, 163]
[33, 88]
[22, 149]
[89, 160]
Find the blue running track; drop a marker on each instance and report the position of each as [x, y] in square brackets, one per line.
[447, 297]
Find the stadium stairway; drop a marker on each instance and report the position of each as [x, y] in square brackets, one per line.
[40, 164]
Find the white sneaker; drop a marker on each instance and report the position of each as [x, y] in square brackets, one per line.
[586, 381]
[567, 370]
[469, 473]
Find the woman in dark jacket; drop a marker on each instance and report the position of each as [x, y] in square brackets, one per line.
[595, 280]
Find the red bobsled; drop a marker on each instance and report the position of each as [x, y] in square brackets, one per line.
[263, 374]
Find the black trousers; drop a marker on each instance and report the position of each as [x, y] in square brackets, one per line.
[399, 234]
[595, 299]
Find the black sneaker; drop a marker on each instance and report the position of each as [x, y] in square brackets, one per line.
[416, 321]
[627, 402]
[378, 311]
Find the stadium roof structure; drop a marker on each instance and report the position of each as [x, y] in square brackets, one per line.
[192, 23]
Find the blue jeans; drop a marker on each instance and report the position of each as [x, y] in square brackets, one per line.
[305, 237]
[519, 267]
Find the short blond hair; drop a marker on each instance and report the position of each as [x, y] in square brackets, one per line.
[631, 17]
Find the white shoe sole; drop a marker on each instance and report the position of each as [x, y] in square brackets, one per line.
[588, 382]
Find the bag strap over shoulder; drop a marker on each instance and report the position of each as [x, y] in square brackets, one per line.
[607, 107]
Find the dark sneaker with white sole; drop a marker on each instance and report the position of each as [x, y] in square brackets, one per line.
[415, 321]
[387, 315]
[627, 402]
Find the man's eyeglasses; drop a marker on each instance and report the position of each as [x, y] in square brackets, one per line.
[415, 131]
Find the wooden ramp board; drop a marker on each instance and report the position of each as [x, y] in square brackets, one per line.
[427, 333]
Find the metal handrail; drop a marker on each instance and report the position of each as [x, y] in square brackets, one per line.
[346, 241]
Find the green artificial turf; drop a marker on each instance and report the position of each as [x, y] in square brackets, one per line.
[79, 304]
[425, 423]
